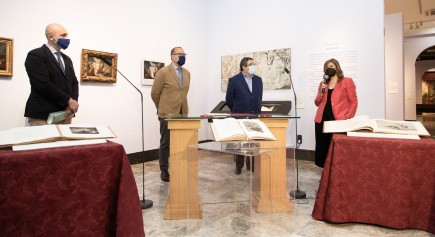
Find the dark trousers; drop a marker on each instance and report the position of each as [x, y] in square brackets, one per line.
[323, 140]
[240, 160]
[164, 144]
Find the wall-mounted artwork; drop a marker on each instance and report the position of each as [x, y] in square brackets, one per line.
[149, 70]
[428, 92]
[6, 56]
[270, 66]
[98, 66]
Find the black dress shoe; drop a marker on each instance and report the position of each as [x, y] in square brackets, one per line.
[238, 171]
[164, 176]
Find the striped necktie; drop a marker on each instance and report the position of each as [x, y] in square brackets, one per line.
[59, 60]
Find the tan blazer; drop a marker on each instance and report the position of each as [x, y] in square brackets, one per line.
[166, 93]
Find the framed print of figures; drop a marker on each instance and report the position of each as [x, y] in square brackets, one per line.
[97, 66]
[149, 70]
[6, 56]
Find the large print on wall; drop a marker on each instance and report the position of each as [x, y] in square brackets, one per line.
[270, 66]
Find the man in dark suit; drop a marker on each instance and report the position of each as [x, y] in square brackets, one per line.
[54, 86]
[244, 95]
[169, 94]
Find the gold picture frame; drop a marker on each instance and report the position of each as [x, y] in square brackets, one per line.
[6, 56]
[98, 66]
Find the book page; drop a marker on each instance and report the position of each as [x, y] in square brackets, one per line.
[85, 131]
[353, 124]
[27, 135]
[255, 129]
[400, 127]
[227, 129]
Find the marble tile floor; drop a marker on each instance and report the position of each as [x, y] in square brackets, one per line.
[226, 205]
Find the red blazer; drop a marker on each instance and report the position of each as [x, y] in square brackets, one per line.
[344, 100]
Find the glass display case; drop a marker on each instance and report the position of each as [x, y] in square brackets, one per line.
[211, 180]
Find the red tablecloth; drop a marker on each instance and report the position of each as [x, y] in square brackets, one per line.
[71, 191]
[388, 182]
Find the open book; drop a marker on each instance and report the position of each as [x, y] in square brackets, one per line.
[376, 126]
[231, 129]
[49, 133]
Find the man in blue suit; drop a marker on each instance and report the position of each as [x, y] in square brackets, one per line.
[244, 95]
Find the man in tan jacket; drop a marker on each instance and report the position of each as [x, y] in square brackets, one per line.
[169, 94]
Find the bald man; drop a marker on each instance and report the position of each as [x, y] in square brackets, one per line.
[54, 85]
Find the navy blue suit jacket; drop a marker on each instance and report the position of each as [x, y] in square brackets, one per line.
[50, 88]
[240, 99]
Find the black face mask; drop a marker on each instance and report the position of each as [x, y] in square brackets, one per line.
[330, 72]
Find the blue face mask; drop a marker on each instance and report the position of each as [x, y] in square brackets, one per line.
[181, 60]
[63, 43]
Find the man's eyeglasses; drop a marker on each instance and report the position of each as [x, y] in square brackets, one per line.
[180, 54]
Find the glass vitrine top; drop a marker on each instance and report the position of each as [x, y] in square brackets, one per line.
[220, 116]
[246, 148]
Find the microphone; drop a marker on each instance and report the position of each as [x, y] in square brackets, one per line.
[108, 63]
[288, 72]
[145, 203]
[297, 194]
[325, 81]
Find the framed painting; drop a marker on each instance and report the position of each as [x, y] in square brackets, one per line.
[98, 66]
[149, 70]
[6, 56]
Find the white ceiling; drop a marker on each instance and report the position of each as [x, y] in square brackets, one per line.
[415, 12]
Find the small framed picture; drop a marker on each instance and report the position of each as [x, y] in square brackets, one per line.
[149, 70]
[98, 66]
[6, 56]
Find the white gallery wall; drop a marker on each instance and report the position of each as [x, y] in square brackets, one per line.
[315, 31]
[133, 29]
[394, 84]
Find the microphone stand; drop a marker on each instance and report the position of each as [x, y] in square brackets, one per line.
[145, 203]
[296, 194]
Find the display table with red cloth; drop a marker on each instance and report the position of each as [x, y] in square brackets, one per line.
[70, 191]
[387, 182]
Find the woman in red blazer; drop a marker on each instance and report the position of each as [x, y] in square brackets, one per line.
[336, 100]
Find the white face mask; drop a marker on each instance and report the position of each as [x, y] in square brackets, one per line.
[251, 69]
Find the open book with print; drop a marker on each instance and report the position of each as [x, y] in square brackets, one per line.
[50, 133]
[231, 129]
[364, 123]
